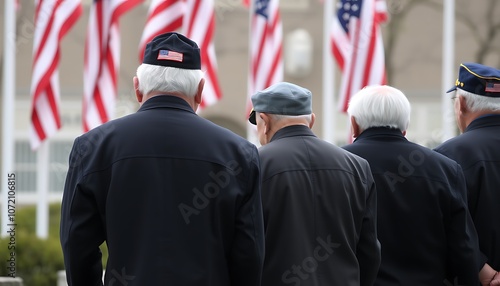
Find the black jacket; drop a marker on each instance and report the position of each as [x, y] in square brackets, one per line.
[319, 213]
[175, 197]
[477, 150]
[424, 227]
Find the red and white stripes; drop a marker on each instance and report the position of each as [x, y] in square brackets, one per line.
[199, 25]
[102, 60]
[163, 16]
[53, 19]
[266, 56]
[357, 45]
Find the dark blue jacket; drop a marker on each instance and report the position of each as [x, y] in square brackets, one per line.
[477, 150]
[319, 211]
[424, 227]
[175, 197]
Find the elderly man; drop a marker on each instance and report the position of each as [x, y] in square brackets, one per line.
[319, 201]
[425, 229]
[476, 96]
[175, 197]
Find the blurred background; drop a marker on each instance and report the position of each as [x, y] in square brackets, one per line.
[413, 43]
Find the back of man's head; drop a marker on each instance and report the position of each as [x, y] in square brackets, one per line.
[380, 106]
[480, 86]
[171, 64]
[282, 100]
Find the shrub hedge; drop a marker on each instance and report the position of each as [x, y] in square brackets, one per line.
[37, 260]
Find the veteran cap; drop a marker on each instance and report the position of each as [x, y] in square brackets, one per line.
[282, 98]
[478, 79]
[173, 50]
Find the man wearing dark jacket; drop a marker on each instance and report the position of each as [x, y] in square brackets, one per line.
[175, 197]
[319, 201]
[476, 97]
[424, 227]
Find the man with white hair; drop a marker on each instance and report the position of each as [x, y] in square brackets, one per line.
[175, 197]
[476, 97]
[319, 201]
[424, 227]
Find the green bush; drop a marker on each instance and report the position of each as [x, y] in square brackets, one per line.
[37, 260]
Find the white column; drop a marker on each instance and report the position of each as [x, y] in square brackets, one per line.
[328, 75]
[449, 69]
[42, 186]
[8, 106]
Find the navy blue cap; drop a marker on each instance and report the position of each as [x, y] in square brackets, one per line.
[173, 50]
[282, 98]
[478, 79]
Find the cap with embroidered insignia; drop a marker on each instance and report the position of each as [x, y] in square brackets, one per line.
[172, 50]
[169, 55]
[478, 79]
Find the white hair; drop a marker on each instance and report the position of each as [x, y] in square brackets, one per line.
[380, 106]
[168, 79]
[476, 102]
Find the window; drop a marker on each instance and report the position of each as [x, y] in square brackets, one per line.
[25, 167]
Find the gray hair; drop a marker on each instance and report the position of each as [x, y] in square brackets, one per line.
[380, 106]
[168, 79]
[475, 102]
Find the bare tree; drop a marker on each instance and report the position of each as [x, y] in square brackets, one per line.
[484, 30]
[398, 10]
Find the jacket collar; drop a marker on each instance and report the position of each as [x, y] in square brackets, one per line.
[165, 101]
[381, 132]
[292, 131]
[484, 121]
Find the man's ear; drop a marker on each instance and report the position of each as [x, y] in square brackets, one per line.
[462, 104]
[197, 97]
[355, 127]
[138, 94]
[313, 119]
[267, 122]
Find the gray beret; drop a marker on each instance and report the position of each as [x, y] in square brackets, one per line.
[282, 98]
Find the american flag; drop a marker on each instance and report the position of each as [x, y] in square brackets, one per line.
[163, 16]
[101, 60]
[53, 19]
[357, 45]
[492, 87]
[199, 25]
[266, 60]
[170, 55]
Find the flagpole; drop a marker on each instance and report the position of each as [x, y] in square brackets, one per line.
[42, 179]
[8, 105]
[448, 129]
[328, 75]
[250, 128]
